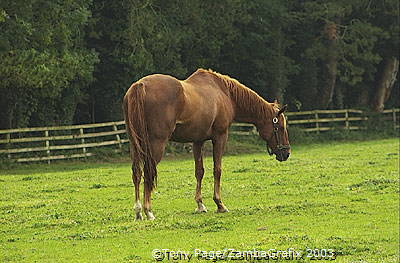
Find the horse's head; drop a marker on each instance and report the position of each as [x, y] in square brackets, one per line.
[273, 131]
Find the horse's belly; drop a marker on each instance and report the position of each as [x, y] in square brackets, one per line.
[190, 133]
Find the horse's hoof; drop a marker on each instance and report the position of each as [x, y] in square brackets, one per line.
[201, 209]
[222, 210]
[150, 216]
[138, 217]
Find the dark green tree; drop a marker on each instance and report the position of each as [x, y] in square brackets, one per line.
[257, 55]
[43, 61]
[338, 50]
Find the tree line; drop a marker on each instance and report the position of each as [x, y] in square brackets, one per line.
[70, 61]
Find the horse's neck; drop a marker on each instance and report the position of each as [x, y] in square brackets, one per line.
[255, 111]
[249, 106]
[246, 118]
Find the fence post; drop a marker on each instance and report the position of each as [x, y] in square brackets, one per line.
[394, 119]
[82, 141]
[117, 136]
[346, 116]
[316, 121]
[254, 130]
[8, 137]
[287, 121]
[46, 134]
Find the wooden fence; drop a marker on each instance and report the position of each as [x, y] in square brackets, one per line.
[349, 119]
[63, 142]
[325, 120]
[77, 141]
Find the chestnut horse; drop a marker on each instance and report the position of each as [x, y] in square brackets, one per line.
[158, 108]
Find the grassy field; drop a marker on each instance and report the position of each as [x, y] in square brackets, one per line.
[339, 196]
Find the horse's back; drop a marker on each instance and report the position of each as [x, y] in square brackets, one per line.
[206, 108]
[161, 88]
[186, 111]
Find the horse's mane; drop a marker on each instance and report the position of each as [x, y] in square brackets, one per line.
[244, 97]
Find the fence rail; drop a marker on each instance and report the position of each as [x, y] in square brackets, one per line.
[74, 141]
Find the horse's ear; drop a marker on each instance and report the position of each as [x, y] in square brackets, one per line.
[284, 108]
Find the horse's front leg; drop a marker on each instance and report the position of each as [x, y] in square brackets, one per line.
[218, 149]
[199, 172]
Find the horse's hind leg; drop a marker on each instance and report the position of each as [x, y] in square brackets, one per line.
[199, 172]
[136, 176]
[218, 149]
[157, 150]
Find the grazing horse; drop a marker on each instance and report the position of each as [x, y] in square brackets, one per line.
[158, 108]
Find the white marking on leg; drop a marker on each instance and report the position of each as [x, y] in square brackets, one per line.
[138, 211]
[201, 208]
[138, 207]
[150, 215]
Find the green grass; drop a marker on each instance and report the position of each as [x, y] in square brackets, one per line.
[341, 196]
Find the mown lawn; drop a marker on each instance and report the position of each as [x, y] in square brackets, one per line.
[339, 196]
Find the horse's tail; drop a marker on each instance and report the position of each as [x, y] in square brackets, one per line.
[136, 127]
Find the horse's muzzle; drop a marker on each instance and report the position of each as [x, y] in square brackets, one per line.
[282, 155]
[281, 152]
